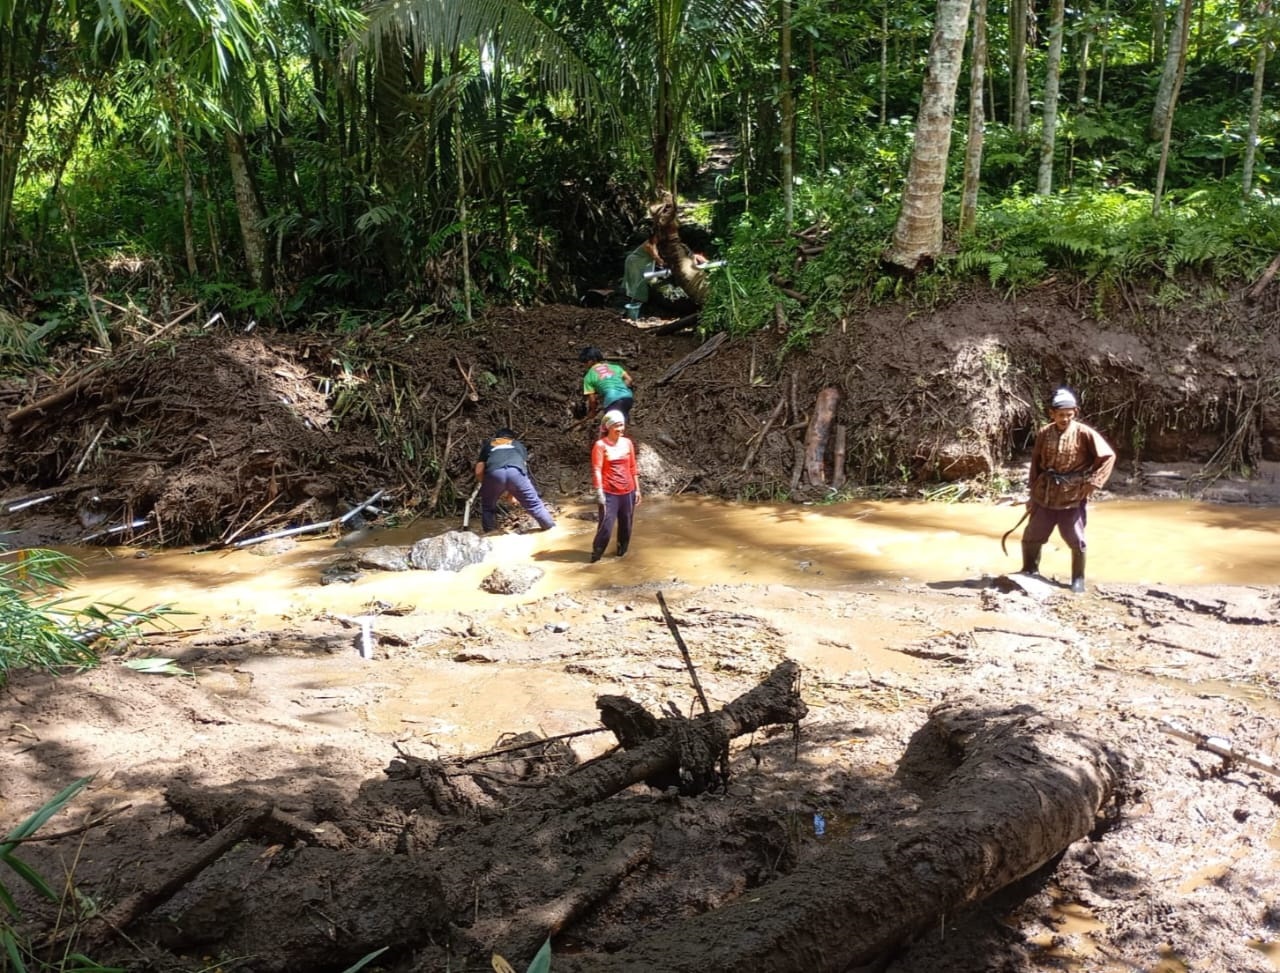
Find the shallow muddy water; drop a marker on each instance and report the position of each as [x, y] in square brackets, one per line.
[700, 542]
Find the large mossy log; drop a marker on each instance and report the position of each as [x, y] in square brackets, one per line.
[1021, 789]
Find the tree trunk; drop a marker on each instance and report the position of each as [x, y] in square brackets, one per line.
[884, 64]
[1183, 25]
[977, 121]
[676, 255]
[249, 211]
[1157, 31]
[1020, 96]
[1255, 105]
[22, 53]
[1175, 59]
[787, 110]
[918, 234]
[1015, 790]
[1052, 77]
[1082, 62]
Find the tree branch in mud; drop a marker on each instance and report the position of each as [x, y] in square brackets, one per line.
[1015, 790]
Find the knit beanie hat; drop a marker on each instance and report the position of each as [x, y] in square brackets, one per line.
[1063, 399]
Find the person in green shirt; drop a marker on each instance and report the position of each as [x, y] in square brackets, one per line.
[606, 385]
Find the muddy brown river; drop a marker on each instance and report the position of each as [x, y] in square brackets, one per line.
[700, 542]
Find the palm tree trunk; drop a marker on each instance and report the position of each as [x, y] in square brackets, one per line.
[918, 234]
[977, 120]
[1052, 77]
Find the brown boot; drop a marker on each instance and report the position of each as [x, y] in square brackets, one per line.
[1031, 558]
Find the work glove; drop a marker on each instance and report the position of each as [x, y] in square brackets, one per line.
[600, 496]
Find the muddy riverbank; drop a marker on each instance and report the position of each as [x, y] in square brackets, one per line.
[281, 704]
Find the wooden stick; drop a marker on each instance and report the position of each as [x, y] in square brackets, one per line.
[91, 823]
[48, 402]
[708, 347]
[128, 909]
[246, 525]
[527, 745]
[684, 651]
[1265, 279]
[764, 431]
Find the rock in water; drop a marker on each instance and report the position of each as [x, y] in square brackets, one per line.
[512, 581]
[452, 551]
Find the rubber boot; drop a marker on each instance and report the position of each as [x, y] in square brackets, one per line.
[622, 548]
[1031, 558]
[596, 555]
[1077, 572]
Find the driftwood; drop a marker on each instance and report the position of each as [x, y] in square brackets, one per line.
[708, 347]
[815, 440]
[1015, 790]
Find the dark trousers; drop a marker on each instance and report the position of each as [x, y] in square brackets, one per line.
[511, 479]
[619, 508]
[622, 405]
[1070, 524]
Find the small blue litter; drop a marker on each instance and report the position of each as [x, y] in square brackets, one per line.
[819, 825]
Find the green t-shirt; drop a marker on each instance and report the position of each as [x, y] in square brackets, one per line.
[605, 380]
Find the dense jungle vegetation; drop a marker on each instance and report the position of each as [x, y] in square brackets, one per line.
[320, 163]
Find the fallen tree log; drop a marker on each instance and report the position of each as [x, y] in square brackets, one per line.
[1021, 788]
[687, 749]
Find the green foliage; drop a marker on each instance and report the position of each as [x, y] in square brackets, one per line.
[1111, 237]
[15, 947]
[37, 631]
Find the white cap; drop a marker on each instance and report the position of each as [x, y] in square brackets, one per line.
[614, 418]
[1063, 399]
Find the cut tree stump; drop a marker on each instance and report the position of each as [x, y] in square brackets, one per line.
[1016, 790]
[815, 439]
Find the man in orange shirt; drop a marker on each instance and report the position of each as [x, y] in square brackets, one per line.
[1068, 463]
